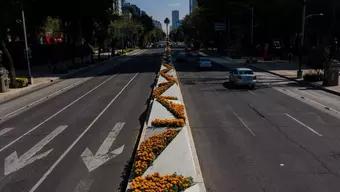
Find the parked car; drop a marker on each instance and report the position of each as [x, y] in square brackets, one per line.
[204, 62]
[242, 77]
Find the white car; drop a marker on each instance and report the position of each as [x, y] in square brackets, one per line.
[205, 62]
[243, 77]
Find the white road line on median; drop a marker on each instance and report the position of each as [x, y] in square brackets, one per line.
[5, 130]
[55, 114]
[244, 124]
[44, 98]
[49, 171]
[304, 125]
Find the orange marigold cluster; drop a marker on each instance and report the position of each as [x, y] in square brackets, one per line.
[176, 109]
[169, 97]
[168, 123]
[158, 91]
[157, 183]
[168, 66]
[151, 148]
[170, 78]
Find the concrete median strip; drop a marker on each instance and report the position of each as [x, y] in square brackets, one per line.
[179, 157]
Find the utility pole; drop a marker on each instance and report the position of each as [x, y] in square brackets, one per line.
[30, 78]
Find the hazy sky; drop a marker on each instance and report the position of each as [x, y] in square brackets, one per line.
[160, 9]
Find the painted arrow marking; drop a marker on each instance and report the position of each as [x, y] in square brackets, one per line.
[4, 131]
[103, 154]
[14, 163]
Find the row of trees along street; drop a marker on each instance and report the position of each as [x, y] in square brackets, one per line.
[251, 25]
[63, 30]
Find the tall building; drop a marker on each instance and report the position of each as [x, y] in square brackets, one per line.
[175, 20]
[192, 5]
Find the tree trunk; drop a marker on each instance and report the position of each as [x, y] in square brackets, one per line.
[12, 74]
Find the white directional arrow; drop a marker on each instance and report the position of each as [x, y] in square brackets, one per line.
[14, 163]
[103, 154]
[4, 131]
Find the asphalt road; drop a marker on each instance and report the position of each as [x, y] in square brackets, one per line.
[259, 140]
[81, 140]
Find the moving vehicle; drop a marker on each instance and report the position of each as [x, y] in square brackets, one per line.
[204, 62]
[243, 77]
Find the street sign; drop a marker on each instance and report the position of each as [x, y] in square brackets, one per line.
[220, 26]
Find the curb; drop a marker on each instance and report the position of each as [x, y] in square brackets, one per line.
[299, 82]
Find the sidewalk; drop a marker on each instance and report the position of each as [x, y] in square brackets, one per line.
[289, 70]
[44, 78]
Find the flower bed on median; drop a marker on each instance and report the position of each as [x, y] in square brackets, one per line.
[167, 76]
[157, 183]
[168, 66]
[176, 109]
[157, 92]
[169, 97]
[168, 123]
[150, 149]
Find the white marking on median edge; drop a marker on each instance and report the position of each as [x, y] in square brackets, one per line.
[48, 172]
[5, 130]
[57, 113]
[244, 124]
[306, 126]
[14, 163]
[103, 154]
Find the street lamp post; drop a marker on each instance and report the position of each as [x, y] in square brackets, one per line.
[30, 78]
[303, 29]
[252, 27]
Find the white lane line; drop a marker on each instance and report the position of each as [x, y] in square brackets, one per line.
[304, 125]
[49, 171]
[55, 114]
[44, 98]
[252, 92]
[244, 124]
[5, 130]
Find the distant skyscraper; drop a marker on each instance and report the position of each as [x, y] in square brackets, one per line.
[192, 5]
[175, 19]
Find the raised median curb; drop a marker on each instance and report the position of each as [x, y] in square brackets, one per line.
[166, 157]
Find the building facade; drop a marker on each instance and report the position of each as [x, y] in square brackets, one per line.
[192, 5]
[175, 20]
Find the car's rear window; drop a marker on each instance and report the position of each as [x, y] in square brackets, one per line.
[246, 72]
